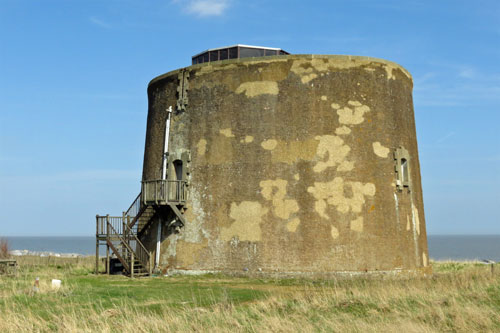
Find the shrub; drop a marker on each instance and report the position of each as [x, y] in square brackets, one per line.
[4, 248]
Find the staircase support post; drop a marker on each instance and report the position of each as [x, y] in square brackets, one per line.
[124, 229]
[124, 232]
[107, 246]
[150, 263]
[96, 244]
[107, 259]
[132, 265]
[127, 223]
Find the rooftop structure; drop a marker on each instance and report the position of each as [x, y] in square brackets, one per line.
[235, 52]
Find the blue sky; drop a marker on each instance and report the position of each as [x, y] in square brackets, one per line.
[73, 103]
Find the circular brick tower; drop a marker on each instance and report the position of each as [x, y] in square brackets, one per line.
[294, 165]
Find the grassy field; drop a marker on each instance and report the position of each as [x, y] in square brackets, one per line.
[461, 297]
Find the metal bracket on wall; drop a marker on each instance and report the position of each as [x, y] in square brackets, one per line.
[182, 89]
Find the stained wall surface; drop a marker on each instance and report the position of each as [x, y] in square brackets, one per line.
[292, 167]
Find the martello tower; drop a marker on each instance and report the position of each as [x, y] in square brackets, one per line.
[257, 161]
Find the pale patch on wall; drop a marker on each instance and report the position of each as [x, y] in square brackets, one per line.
[346, 166]
[333, 193]
[388, 70]
[357, 224]
[320, 207]
[268, 187]
[293, 225]
[334, 232]
[188, 253]
[380, 150]
[425, 260]
[335, 106]
[227, 133]
[408, 226]
[344, 130]
[291, 151]
[257, 88]
[354, 103]
[333, 147]
[275, 191]
[309, 77]
[308, 69]
[415, 216]
[283, 209]
[354, 115]
[304, 67]
[296, 176]
[247, 139]
[324, 98]
[201, 147]
[195, 230]
[221, 150]
[269, 144]
[207, 69]
[247, 217]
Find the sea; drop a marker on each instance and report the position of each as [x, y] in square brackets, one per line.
[441, 247]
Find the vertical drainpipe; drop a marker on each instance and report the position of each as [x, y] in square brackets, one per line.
[165, 147]
[163, 177]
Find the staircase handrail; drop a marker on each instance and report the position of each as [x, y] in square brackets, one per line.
[141, 251]
[103, 220]
[132, 220]
[115, 233]
[135, 207]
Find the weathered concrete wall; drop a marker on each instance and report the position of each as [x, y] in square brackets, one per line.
[292, 167]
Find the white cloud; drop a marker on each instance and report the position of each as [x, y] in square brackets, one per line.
[204, 8]
[94, 20]
[446, 137]
[467, 73]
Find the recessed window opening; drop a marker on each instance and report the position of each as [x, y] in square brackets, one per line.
[178, 169]
[404, 170]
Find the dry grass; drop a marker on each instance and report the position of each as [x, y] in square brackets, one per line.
[460, 297]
